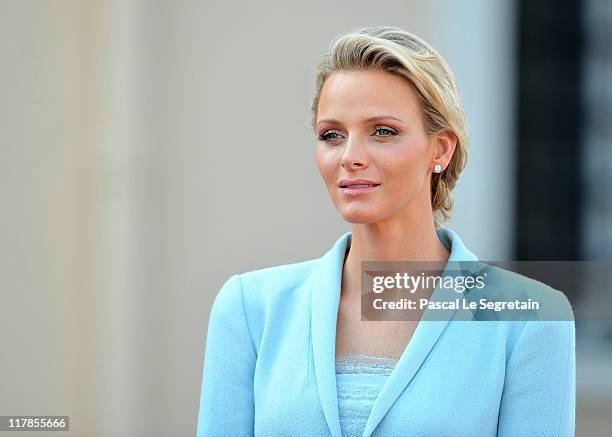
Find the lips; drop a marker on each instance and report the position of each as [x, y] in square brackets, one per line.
[357, 183]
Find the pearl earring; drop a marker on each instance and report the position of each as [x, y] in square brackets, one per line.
[437, 168]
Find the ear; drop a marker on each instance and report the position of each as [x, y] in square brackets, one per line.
[444, 145]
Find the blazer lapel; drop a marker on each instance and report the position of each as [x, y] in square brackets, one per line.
[325, 299]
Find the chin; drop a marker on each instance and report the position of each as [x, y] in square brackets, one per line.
[359, 216]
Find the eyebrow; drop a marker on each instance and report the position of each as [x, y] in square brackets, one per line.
[378, 117]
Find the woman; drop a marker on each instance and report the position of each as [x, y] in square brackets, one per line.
[287, 353]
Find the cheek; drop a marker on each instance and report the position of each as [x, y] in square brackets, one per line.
[326, 164]
[408, 168]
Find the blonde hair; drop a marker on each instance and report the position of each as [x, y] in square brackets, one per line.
[396, 51]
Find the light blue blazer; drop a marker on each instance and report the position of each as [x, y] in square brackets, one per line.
[269, 367]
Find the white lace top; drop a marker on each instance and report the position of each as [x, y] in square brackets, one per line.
[359, 379]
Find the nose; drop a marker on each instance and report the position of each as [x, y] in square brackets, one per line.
[353, 157]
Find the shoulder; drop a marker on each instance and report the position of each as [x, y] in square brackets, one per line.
[502, 285]
[258, 289]
[279, 274]
[284, 275]
[257, 298]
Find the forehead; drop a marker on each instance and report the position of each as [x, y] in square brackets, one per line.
[361, 94]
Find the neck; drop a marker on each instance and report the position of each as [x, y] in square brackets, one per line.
[399, 241]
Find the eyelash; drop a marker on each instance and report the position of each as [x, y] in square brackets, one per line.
[323, 136]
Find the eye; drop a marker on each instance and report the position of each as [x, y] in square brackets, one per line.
[325, 136]
[392, 131]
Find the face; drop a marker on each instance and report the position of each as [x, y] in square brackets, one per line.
[369, 129]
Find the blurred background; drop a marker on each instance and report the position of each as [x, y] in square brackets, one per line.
[128, 129]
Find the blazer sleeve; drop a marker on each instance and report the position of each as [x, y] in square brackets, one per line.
[226, 400]
[539, 394]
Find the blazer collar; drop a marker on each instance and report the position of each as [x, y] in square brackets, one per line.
[325, 300]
